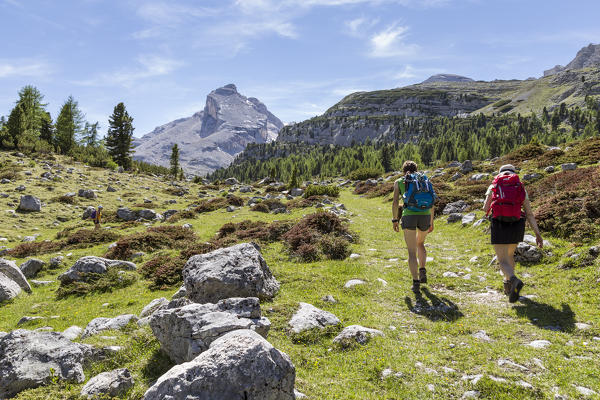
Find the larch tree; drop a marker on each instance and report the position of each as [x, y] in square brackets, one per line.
[119, 136]
[69, 124]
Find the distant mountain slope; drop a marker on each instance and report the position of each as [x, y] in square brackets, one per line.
[364, 115]
[211, 138]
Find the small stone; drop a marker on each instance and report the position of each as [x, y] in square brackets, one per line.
[354, 256]
[539, 344]
[568, 166]
[454, 217]
[471, 394]
[582, 326]
[482, 335]
[449, 274]
[585, 391]
[329, 299]
[524, 384]
[353, 282]
[382, 281]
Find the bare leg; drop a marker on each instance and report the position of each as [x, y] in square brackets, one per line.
[422, 252]
[410, 237]
[506, 259]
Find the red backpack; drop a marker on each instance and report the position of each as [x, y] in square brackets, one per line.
[508, 196]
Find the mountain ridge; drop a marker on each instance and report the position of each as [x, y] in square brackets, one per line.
[211, 138]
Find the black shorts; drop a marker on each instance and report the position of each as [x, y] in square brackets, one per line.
[412, 222]
[507, 232]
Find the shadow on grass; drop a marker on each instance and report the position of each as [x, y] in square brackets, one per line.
[433, 307]
[158, 364]
[545, 316]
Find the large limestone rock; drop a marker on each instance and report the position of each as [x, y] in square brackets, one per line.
[26, 358]
[100, 324]
[87, 193]
[8, 288]
[10, 269]
[241, 365]
[92, 264]
[31, 267]
[187, 331]
[109, 384]
[30, 203]
[236, 271]
[211, 138]
[310, 317]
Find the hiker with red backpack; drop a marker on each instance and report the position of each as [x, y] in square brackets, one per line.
[417, 218]
[508, 202]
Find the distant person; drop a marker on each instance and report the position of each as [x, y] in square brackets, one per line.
[505, 199]
[417, 218]
[97, 217]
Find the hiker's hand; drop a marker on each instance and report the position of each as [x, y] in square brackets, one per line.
[430, 228]
[539, 240]
[396, 228]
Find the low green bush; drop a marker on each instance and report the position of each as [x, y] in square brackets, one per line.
[362, 174]
[317, 190]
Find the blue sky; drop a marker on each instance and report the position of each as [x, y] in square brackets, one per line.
[161, 58]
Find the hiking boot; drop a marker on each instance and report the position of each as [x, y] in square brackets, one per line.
[507, 287]
[515, 288]
[416, 286]
[422, 275]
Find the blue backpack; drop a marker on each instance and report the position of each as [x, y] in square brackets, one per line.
[419, 194]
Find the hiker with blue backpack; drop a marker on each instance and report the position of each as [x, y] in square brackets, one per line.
[417, 218]
[508, 203]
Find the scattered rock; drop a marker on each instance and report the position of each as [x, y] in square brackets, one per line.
[310, 317]
[479, 177]
[296, 192]
[27, 358]
[466, 167]
[568, 166]
[231, 181]
[531, 177]
[111, 189]
[356, 334]
[154, 306]
[30, 203]
[72, 332]
[239, 365]
[187, 331]
[87, 193]
[236, 271]
[585, 391]
[454, 217]
[482, 335]
[92, 264]
[539, 344]
[55, 262]
[582, 326]
[31, 267]
[449, 274]
[10, 270]
[455, 207]
[353, 282]
[100, 324]
[549, 169]
[511, 364]
[111, 384]
[329, 299]
[468, 219]
[526, 253]
[27, 319]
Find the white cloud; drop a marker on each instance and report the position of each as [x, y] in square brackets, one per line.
[24, 67]
[169, 13]
[359, 27]
[150, 66]
[391, 42]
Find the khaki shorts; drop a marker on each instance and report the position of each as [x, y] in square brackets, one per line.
[412, 222]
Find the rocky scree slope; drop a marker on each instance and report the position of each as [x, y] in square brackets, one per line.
[211, 138]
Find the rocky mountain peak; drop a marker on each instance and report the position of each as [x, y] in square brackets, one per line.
[211, 138]
[588, 56]
[447, 78]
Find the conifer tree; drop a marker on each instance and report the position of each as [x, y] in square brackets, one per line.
[175, 161]
[32, 108]
[386, 158]
[47, 129]
[90, 134]
[69, 124]
[15, 125]
[293, 183]
[119, 135]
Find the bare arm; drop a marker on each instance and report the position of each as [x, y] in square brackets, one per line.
[432, 216]
[532, 222]
[395, 202]
[487, 204]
